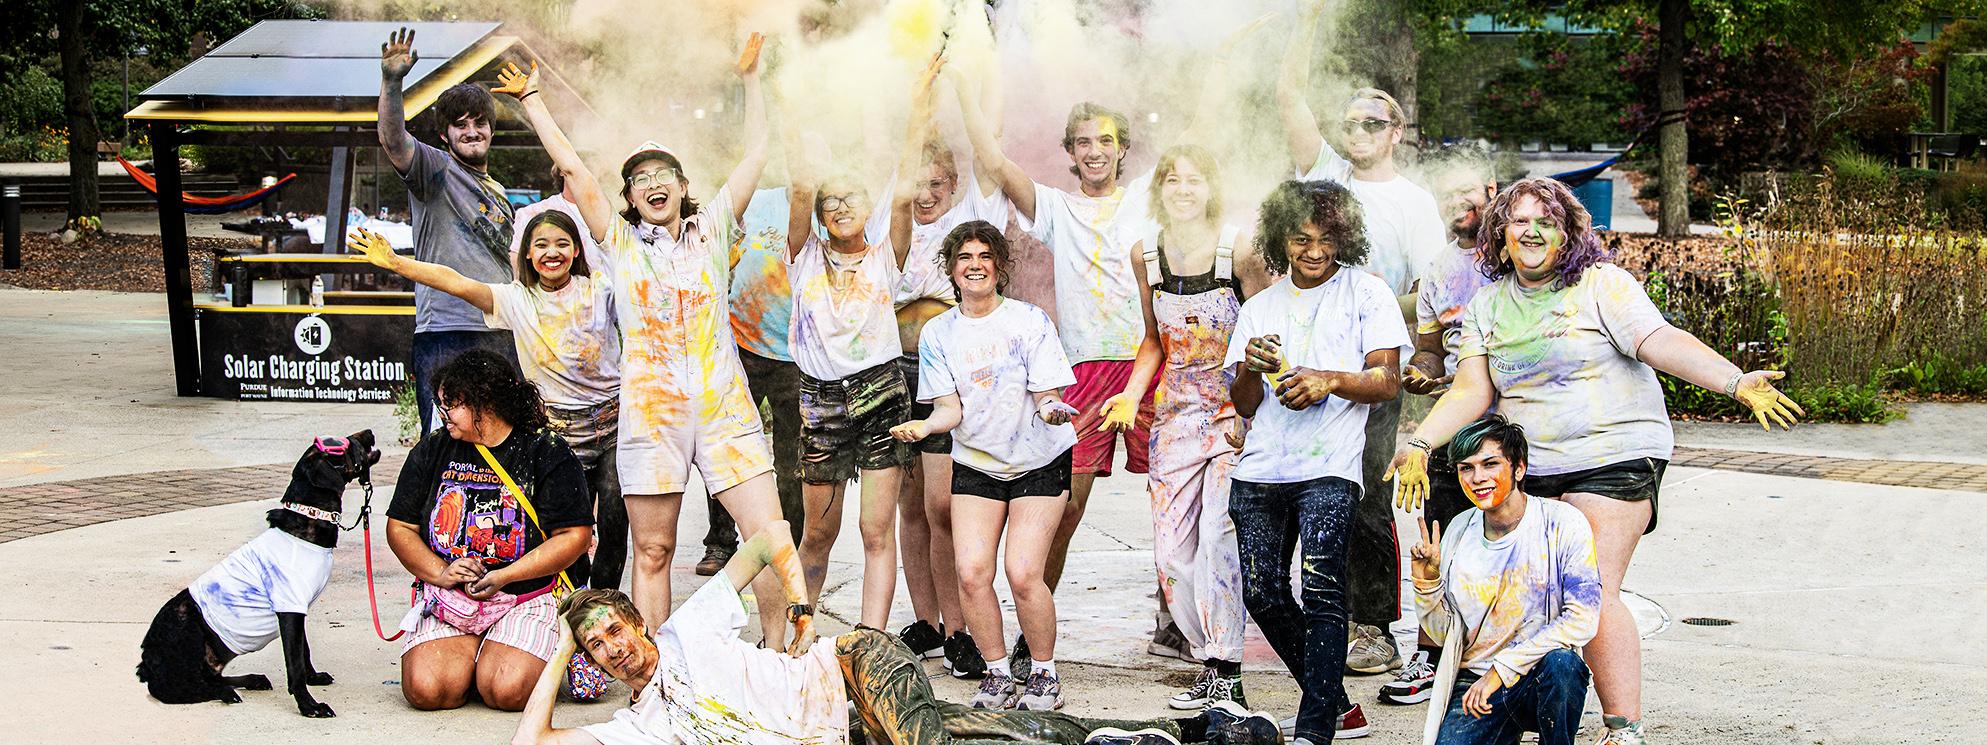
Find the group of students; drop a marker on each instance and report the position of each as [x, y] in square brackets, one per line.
[637, 349]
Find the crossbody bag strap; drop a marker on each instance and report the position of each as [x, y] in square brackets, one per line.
[529, 512]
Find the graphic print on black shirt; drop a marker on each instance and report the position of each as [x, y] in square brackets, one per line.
[464, 510]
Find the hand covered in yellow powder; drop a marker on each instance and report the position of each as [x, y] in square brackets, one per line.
[748, 59]
[1768, 404]
[1120, 413]
[1302, 387]
[1411, 466]
[515, 82]
[375, 247]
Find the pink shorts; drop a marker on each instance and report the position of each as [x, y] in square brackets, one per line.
[1097, 380]
[528, 626]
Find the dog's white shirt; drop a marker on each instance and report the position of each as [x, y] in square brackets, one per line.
[274, 573]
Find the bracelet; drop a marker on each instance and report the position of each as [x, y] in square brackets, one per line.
[1416, 442]
[527, 94]
[1732, 386]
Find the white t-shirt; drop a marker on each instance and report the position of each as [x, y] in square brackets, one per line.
[1403, 225]
[595, 262]
[1564, 365]
[274, 573]
[994, 363]
[1521, 596]
[924, 274]
[712, 687]
[1091, 238]
[1446, 288]
[1329, 327]
[837, 332]
[566, 339]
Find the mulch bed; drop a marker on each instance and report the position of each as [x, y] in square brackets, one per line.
[111, 261]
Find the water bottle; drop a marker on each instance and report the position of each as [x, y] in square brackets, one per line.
[317, 292]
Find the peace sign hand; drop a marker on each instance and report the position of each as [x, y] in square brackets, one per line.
[1428, 553]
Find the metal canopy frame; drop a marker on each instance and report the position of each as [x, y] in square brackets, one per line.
[215, 101]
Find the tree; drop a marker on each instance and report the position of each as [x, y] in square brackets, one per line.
[82, 31]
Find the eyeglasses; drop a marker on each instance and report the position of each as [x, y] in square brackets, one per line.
[831, 204]
[1371, 126]
[655, 178]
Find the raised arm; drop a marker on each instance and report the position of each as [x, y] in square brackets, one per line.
[905, 189]
[773, 547]
[396, 57]
[993, 163]
[534, 726]
[380, 253]
[1300, 126]
[745, 178]
[581, 188]
[803, 153]
[1214, 88]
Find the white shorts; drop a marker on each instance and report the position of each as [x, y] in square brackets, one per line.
[528, 626]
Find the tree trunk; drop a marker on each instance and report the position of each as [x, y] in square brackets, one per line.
[1674, 168]
[76, 107]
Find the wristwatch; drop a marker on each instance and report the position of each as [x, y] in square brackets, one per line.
[796, 610]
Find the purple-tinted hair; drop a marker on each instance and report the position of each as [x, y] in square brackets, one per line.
[1583, 245]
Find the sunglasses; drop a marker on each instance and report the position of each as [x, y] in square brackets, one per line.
[1371, 126]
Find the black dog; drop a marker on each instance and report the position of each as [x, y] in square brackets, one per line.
[260, 591]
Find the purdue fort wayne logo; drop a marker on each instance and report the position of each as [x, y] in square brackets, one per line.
[313, 335]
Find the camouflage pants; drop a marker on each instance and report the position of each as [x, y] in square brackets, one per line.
[893, 697]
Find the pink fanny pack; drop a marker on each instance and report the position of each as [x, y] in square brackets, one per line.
[456, 608]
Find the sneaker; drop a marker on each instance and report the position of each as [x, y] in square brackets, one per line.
[1414, 684]
[1208, 689]
[1042, 693]
[714, 560]
[994, 693]
[1115, 736]
[1372, 652]
[962, 656]
[1629, 735]
[1019, 665]
[925, 642]
[1195, 697]
[1169, 642]
[1230, 723]
[1351, 725]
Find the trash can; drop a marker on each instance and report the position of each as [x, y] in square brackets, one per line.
[1598, 197]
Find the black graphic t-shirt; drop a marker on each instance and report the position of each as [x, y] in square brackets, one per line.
[463, 508]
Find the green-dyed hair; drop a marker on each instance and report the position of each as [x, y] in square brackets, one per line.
[1509, 436]
[577, 606]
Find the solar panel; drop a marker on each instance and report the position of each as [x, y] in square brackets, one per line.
[312, 60]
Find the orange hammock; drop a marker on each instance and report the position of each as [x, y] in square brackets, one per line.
[205, 205]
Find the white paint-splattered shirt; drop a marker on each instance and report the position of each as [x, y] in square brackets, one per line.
[1091, 238]
[842, 326]
[712, 687]
[994, 362]
[1564, 364]
[566, 339]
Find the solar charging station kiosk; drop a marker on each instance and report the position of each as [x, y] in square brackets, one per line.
[298, 84]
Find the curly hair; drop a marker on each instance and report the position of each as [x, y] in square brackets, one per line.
[1582, 248]
[465, 99]
[490, 385]
[527, 273]
[977, 231]
[1203, 161]
[1323, 203]
[688, 206]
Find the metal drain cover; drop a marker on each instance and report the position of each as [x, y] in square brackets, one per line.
[1709, 621]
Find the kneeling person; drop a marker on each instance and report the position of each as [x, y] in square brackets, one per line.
[1526, 568]
[698, 682]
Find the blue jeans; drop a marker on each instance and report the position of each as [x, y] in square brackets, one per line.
[1271, 520]
[1547, 700]
[432, 349]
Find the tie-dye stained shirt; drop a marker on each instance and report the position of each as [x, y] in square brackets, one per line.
[566, 339]
[1402, 222]
[712, 687]
[1091, 238]
[843, 326]
[1451, 280]
[1329, 327]
[761, 303]
[994, 363]
[1564, 364]
[1532, 591]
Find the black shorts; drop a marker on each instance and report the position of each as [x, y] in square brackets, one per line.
[1048, 481]
[938, 444]
[845, 424]
[1629, 481]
